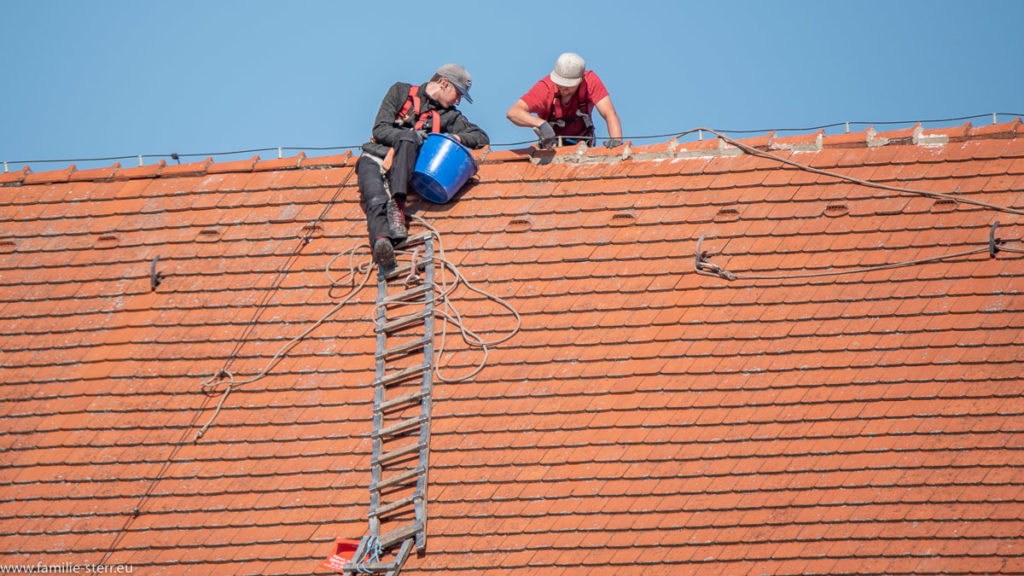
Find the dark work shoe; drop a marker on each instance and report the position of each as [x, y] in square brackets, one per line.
[384, 254]
[396, 222]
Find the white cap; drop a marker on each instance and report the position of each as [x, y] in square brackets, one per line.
[568, 70]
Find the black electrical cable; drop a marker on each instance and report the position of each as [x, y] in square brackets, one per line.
[508, 144]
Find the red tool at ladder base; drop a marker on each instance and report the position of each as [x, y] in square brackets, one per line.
[407, 114]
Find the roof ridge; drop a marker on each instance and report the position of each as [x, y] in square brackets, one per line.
[580, 153]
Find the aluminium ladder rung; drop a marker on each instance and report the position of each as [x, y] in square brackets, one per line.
[414, 239]
[403, 321]
[397, 480]
[403, 270]
[396, 505]
[363, 568]
[403, 348]
[401, 401]
[399, 427]
[395, 536]
[402, 375]
[394, 454]
[403, 296]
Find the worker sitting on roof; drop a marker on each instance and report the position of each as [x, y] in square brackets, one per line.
[559, 105]
[407, 114]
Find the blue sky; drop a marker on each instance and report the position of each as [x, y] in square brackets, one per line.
[121, 78]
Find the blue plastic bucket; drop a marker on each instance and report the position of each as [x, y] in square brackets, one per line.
[442, 168]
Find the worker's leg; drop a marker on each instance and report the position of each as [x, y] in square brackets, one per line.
[402, 166]
[373, 198]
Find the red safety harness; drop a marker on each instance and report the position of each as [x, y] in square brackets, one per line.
[414, 102]
[582, 97]
[403, 116]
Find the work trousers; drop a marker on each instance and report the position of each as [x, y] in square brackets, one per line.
[373, 194]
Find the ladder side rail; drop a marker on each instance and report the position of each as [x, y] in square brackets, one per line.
[426, 400]
[378, 400]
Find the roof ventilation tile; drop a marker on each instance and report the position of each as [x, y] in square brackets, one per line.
[944, 205]
[727, 214]
[520, 224]
[208, 235]
[836, 209]
[624, 218]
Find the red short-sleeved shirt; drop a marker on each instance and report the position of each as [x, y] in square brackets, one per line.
[543, 100]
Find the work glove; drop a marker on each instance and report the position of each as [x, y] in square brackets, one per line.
[613, 143]
[421, 135]
[546, 134]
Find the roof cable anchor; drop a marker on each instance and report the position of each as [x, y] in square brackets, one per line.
[993, 242]
[702, 266]
[155, 278]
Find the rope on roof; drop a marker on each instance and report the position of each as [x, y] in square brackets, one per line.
[868, 183]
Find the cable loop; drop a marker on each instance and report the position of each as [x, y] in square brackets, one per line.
[701, 266]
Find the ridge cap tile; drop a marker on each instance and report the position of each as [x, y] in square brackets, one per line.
[138, 172]
[900, 135]
[233, 166]
[502, 156]
[333, 161]
[661, 149]
[50, 176]
[763, 142]
[189, 169]
[811, 142]
[849, 140]
[1001, 130]
[949, 134]
[15, 177]
[105, 173]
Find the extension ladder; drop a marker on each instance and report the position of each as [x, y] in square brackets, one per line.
[401, 414]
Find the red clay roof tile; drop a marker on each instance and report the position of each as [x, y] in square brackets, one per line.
[646, 419]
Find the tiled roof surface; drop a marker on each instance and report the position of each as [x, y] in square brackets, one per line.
[646, 419]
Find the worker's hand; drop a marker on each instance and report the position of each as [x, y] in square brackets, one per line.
[613, 143]
[421, 135]
[546, 134]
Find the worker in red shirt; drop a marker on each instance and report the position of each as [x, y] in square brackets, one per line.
[560, 104]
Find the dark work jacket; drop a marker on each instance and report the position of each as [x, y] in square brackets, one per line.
[386, 129]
